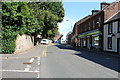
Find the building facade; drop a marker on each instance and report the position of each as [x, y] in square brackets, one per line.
[112, 35]
[112, 28]
[90, 31]
[75, 33]
[68, 38]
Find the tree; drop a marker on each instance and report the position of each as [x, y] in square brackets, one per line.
[30, 18]
[48, 15]
[16, 19]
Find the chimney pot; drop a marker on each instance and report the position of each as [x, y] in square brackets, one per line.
[104, 4]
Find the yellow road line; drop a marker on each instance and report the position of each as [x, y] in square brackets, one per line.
[44, 51]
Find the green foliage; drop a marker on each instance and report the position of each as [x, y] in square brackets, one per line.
[8, 45]
[53, 13]
[30, 18]
[14, 18]
[8, 39]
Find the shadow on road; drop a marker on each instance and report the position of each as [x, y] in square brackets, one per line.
[109, 61]
[63, 46]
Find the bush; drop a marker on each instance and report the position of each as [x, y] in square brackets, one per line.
[8, 46]
[8, 40]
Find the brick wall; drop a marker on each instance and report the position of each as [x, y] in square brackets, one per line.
[23, 43]
[91, 23]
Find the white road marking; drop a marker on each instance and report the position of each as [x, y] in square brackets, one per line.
[38, 75]
[38, 58]
[27, 69]
[31, 60]
[38, 63]
[28, 66]
[19, 71]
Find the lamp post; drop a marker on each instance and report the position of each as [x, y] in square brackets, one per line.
[70, 23]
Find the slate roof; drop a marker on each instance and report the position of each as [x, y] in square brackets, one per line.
[114, 17]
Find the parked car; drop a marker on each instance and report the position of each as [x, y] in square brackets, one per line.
[44, 41]
[63, 42]
[55, 41]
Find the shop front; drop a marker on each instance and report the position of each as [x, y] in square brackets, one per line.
[95, 42]
[90, 40]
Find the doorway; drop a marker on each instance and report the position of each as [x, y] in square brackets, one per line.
[88, 43]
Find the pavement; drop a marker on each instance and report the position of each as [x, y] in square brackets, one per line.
[59, 61]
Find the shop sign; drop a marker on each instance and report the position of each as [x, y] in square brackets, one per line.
[88, 34]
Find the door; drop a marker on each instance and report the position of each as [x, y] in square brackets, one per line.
[88, 43]
[79, 43]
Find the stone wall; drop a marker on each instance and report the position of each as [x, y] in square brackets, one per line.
[23, 43]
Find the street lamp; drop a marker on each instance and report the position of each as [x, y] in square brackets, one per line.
[70, 22]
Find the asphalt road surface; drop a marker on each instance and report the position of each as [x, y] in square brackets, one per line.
[59, 61]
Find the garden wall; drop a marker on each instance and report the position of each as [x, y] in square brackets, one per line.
[23, 43]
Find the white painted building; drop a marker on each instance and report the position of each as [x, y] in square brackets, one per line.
[112, 34]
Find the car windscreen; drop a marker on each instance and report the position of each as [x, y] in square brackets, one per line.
[44, 40]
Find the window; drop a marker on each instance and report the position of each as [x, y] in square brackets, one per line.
[93, 24]
[96, 41]
[110, 28]
[84, 42]
[99, 21]
[89, 25]
[109, 42]
[85, 27]
[119, 26]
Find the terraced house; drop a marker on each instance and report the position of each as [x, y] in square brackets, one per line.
[112, 28]
[91, 32]
[74, 39]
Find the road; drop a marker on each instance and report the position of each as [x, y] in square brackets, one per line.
[59, 61]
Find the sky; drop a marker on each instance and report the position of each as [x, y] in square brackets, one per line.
[75, 11]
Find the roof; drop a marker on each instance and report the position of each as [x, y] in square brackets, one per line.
[82, 20]
[114, 17]
[91, 16]
[60, 36]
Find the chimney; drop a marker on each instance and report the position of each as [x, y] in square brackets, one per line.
[104, 4]
[94, 11]
[117, 0]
